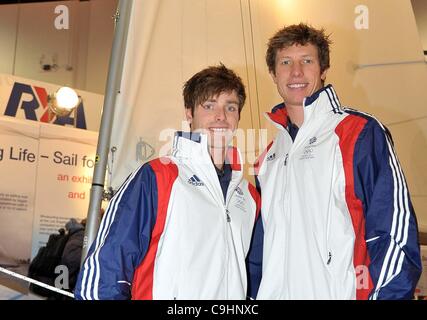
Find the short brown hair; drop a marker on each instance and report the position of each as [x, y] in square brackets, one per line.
[300, 34]
[210, 82]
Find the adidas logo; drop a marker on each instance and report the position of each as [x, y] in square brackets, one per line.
[271, 157]
[312, 140]
[195, 181]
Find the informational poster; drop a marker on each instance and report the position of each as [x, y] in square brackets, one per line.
[64, 177]
[19, 144]
[46, 175]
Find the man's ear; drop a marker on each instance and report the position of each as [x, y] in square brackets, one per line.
[273, 76]
[189, 115]
[323, 75]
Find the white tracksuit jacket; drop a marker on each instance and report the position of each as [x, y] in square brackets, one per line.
[337, 221]
[168, 233]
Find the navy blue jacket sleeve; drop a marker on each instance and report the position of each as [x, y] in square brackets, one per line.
[254, 258]
[122, 240]
[391, 231]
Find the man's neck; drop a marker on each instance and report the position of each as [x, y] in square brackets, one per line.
[296, 114]
[218, 157]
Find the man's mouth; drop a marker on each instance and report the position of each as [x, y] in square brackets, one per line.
[297, 85]
[219, 130]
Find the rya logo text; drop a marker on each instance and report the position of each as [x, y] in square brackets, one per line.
[32, 101]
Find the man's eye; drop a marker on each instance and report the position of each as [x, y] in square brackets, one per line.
[232, 108]
[306, 61]
[286, 62]
[207, 106]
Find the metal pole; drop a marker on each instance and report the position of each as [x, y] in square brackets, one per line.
[122, 19]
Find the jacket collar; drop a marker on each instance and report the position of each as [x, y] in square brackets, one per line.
[279, 114]
[194, 146]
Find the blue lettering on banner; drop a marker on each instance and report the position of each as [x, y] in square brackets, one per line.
[39, 100]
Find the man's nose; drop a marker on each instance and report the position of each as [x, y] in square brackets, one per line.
[296, 70]
[220, 114]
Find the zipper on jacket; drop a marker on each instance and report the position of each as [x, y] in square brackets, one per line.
[228, 215]
[226, 252]
[329, 258]
[286, 159]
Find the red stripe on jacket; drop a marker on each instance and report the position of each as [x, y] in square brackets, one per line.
[255, 195]
[348, 131]
[260, 160]
[166, 174]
